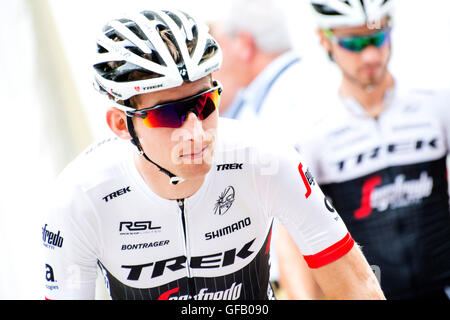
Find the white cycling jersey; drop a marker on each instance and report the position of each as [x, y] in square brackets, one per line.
[387, 178]
[212, 245]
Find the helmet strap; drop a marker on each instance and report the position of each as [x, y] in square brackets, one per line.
[135, 140]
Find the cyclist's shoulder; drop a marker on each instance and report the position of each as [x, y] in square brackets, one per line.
[93, 169]
[100, 159]
[425, 95]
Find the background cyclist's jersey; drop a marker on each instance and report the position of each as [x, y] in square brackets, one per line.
[387, 178]
[212, 245]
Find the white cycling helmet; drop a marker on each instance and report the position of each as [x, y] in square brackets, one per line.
[350, 13]
[125, 43]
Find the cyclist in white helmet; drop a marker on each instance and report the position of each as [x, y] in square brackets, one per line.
[380, 153]
[185, 212]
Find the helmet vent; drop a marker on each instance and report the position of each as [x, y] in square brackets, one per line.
[100, 49]
[325, 10]
[138, 32]
[210, 50]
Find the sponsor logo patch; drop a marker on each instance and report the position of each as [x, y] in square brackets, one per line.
[228, 229]
[307, 178]
[50, 239]
[145, 245]
[401, 193]
[225, 201]
[137, 227]
[50, 278]
[232, 293]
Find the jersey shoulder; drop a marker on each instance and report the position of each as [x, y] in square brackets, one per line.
[438, 99]
[99, 161]
[99, 166]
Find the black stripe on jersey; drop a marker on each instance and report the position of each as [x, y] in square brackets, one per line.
[400, 216]
[248, 283]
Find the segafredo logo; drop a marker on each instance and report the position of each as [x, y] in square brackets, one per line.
[307, 178]
[50, 239]
[232, 293]
[401, 193]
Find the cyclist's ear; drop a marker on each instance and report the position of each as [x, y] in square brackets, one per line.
[117, 122]
[325, 43]
[246, 47]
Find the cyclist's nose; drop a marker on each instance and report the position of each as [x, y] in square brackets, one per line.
[193, 125]
[371, 54]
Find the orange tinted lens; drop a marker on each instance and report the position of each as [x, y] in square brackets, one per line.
[172, 115]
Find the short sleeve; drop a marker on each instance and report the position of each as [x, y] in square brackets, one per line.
[292, 195]
[69, 243]
[444, 114]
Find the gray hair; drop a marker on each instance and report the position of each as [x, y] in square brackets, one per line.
[264, 20]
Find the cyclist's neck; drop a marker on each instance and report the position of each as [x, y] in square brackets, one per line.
[371, 99]
[159, 182]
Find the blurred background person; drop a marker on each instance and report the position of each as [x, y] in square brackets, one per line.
[380, 154]
[260, 62]
[262, 75]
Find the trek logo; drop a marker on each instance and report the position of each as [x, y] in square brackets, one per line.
[232, 166]
[225, 201]
[215, 260]
[117, 194]
[133, 227]
[307, 178]
[156, 86]
[52, 240]
[232, 293]
[228, 229]
[390, 149]
[401, 193]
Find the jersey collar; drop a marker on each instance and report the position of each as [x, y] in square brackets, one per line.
[355, 107]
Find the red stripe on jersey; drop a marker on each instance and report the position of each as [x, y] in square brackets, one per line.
[166, 295]
[305, 181]
[268, 242]
[330, 254]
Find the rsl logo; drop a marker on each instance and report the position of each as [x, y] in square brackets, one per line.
[225, 201]
[137, 227]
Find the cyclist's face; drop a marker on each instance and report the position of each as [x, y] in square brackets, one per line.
[367, 67]
[186, 151]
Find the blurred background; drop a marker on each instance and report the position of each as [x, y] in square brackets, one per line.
[51, 111]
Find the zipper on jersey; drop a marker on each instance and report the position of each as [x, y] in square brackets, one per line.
[183, 220]
[191, 282]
